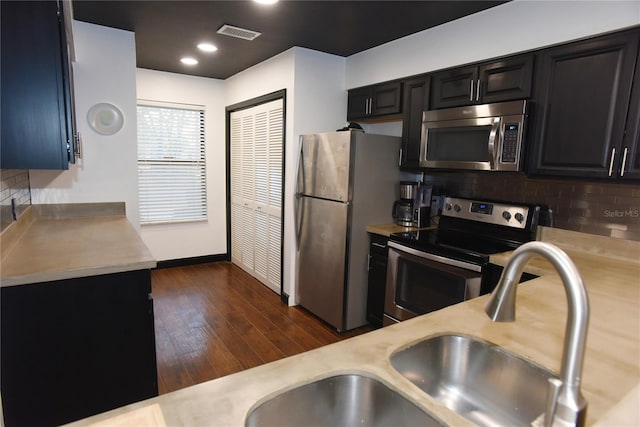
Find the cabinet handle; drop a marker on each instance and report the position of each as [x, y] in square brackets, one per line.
[378, 245]
[77, 147]
[400, 159]
[624, 161]
[369, 262]
[613, 156]
[478, 91]
[370, 105]
[471, 92]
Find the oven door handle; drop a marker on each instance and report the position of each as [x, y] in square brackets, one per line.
[436, 258]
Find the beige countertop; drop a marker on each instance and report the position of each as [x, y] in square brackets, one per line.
[387, 229]
[611, 368]
[55, 247]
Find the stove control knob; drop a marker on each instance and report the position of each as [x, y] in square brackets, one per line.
[506, 215]
[457, 208]
[519, 217]
[447, 206]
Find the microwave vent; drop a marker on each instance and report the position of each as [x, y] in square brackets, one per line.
[240, 33]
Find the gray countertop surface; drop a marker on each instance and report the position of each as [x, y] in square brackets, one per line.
[56, 248]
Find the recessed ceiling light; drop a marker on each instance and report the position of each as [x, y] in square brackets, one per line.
[189, 61]
[266, 1]
[207, 47]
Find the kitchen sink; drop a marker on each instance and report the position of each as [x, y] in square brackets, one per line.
[478, 380]
[343, 400]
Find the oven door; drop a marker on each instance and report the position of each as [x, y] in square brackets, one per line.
[420, 282]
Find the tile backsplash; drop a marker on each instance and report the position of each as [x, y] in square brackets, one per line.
[14, 184]
[607, 209]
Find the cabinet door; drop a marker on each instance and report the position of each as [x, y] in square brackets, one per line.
[75, 348]
[34, 123]
[386, 99]
[415, 101]
[377, 280]
[453, 88]
[581, 102]
[358, 103]
[505, 80]
[630, 153]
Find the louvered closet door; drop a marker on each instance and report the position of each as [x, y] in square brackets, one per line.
[256, 191]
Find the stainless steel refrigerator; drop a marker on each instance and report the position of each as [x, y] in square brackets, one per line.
[346, 181]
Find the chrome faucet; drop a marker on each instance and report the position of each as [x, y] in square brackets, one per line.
[565, 404]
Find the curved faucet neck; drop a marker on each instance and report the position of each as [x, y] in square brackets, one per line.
[501, 308]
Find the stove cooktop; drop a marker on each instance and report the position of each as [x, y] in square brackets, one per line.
[453, 244]
[472, 230]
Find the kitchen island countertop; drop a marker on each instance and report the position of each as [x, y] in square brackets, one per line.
[611, 369]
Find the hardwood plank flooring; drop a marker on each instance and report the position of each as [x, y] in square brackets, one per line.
[214, 319]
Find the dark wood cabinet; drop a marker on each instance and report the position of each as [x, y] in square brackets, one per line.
[377, 279]
[37, 108]
[374, 101]
[496, 81]
[77, 347]
[415, 101]
[630, 150]
[581, 104]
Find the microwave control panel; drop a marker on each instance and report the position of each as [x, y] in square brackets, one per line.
[510, 143]
[514, 216]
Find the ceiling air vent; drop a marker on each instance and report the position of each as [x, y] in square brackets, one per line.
[241, 33]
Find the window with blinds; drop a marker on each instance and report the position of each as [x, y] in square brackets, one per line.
[171, 163]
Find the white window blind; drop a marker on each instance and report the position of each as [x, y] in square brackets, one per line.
[171, 164]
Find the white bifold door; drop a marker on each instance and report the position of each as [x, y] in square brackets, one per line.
[256, 191]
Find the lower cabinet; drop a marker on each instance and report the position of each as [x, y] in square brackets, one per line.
[377, 279]
[74, 348]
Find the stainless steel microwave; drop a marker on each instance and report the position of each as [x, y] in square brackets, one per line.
[478, 137]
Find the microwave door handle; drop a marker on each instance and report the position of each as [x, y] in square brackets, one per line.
[493, 142]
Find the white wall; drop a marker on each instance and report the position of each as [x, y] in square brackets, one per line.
[105, 71]
[512, 27]
[315, 101]
[192, 239]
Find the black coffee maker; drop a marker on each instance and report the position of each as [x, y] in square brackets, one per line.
[413, 207]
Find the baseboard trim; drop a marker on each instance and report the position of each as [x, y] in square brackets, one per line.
[284, 297]
[182, 262]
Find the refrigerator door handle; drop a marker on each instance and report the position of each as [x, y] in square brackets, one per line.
[297, 196]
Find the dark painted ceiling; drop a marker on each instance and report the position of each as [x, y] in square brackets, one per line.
[168, 30]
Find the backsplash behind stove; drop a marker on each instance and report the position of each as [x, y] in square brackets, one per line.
[607, 209]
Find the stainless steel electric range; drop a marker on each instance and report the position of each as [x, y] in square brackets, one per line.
[431, 269]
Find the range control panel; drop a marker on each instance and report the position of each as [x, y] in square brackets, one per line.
[492, 213]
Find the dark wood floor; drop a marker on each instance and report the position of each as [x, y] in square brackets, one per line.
[215, 319]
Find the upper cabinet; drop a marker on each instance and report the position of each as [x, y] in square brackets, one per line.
[415, 100]
[630, 161]
[502, 80]
[581, 104]
[37, 105]
[374, 101]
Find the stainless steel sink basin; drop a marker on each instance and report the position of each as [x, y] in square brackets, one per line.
[476, 379]
[344, 400]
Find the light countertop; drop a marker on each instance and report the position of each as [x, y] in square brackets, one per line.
[611, 368]
[56, 247]
[387, 229]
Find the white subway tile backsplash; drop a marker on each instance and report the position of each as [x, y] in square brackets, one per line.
[14, 185]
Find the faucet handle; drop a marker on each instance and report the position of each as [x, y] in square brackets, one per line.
[553, 390]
